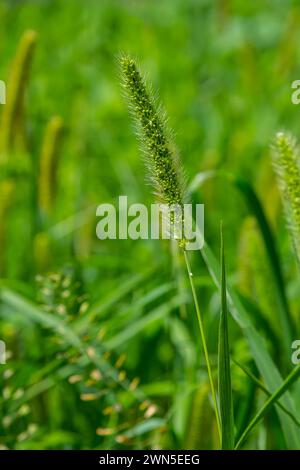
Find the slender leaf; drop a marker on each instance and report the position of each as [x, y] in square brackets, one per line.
[224, 374]
[291, 378]
[261, 386]
[153, 317]
[257, 343]
[144, 427]
[258, 347]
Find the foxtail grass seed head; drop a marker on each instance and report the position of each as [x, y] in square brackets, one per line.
[12, 117]
[49, 164]
[164, 167]
[286, 165]
[200, 433]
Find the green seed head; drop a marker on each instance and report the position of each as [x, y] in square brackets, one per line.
[286, 165]
[165, 171]
[49, 163]
[12, 125]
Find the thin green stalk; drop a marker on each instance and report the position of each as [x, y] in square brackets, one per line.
[203, 339]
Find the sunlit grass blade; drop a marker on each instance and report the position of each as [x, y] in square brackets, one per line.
[291, 378]
[144, 427]
[224, 373]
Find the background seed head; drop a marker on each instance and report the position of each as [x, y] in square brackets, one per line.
[286, 165]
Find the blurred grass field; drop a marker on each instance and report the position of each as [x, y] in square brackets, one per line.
[102, 343]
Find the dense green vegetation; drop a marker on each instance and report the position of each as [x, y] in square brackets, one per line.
[102, 339]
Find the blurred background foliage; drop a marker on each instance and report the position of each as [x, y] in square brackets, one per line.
[103, 350]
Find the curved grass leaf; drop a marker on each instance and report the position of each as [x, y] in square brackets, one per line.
[156, 315]
[144, 427]
[261, 386]
[291, 378]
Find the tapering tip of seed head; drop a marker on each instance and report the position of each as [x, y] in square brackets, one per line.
[284, 151]
[127, 63]
[129, 71]
[30, 36]
[284, 140]
[279, 135]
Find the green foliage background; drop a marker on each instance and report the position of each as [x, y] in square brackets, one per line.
[224, 70]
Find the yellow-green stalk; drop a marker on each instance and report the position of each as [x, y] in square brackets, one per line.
[12, 126]
[6, 192]
[48, 164]
[286, 165]
[201, 433]
[42, 252]
[83, 238]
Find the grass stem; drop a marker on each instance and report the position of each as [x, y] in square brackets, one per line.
[203, 339]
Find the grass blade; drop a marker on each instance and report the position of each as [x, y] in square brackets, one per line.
[257, 343]
[157, 315]
[291, 378]
[259, 350]
[261, 386]
[224, 374]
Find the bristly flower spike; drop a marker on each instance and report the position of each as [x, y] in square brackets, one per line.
[286, 165]
[165, 171]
